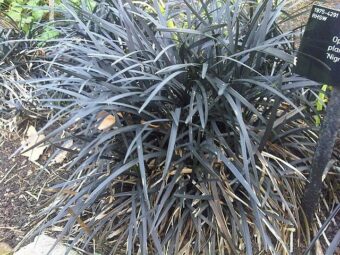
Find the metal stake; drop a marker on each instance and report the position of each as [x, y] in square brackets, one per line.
[323, 153]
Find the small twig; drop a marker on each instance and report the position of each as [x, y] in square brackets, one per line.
[8, 172]
[322, 229]
[51, 7]
[29, 193]
[9, 179]
[10, 228]
[14, 229]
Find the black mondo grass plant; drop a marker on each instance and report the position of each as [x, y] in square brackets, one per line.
[190, 130]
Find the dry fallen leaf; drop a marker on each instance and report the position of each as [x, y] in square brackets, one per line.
[61, 156]
[33, 138]
[107, 122]
[82, 224]
[5, 249]
[150, 125]
[185, 170]
[115, 233]
[63, 191]
[101, 115]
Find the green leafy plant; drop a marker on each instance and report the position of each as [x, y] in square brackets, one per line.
[186, 133]
[21, 12]
[321, 102]
[25, 13]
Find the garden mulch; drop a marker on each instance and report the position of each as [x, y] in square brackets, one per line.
[19, 183]
[22, 180]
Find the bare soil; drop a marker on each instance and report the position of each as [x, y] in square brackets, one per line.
[19, 183]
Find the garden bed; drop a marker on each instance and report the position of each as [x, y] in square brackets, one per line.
[23, 182]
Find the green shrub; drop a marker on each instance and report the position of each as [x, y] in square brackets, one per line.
[26, 13]
[184, 117]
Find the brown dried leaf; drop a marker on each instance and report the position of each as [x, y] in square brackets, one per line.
[33, 138]
[63, 191]
[115, 233]
[185, 170]
[61, 156]
[107, 122]
[5, 249]
[82, 224]
[150, 125]
[100, 115]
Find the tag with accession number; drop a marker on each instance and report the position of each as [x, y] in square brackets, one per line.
[318, 57]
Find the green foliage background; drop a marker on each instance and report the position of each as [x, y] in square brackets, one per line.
[26, 13]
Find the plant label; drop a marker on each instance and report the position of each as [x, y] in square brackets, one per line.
[318, 58]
